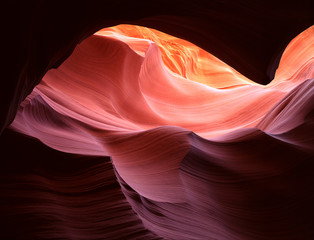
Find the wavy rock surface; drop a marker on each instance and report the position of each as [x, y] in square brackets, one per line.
[200, 151]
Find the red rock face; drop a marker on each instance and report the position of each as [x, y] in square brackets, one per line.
[200, 151]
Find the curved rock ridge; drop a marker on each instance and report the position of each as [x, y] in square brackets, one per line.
[200, 151]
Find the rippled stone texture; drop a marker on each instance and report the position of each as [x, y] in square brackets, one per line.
[200, 151]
